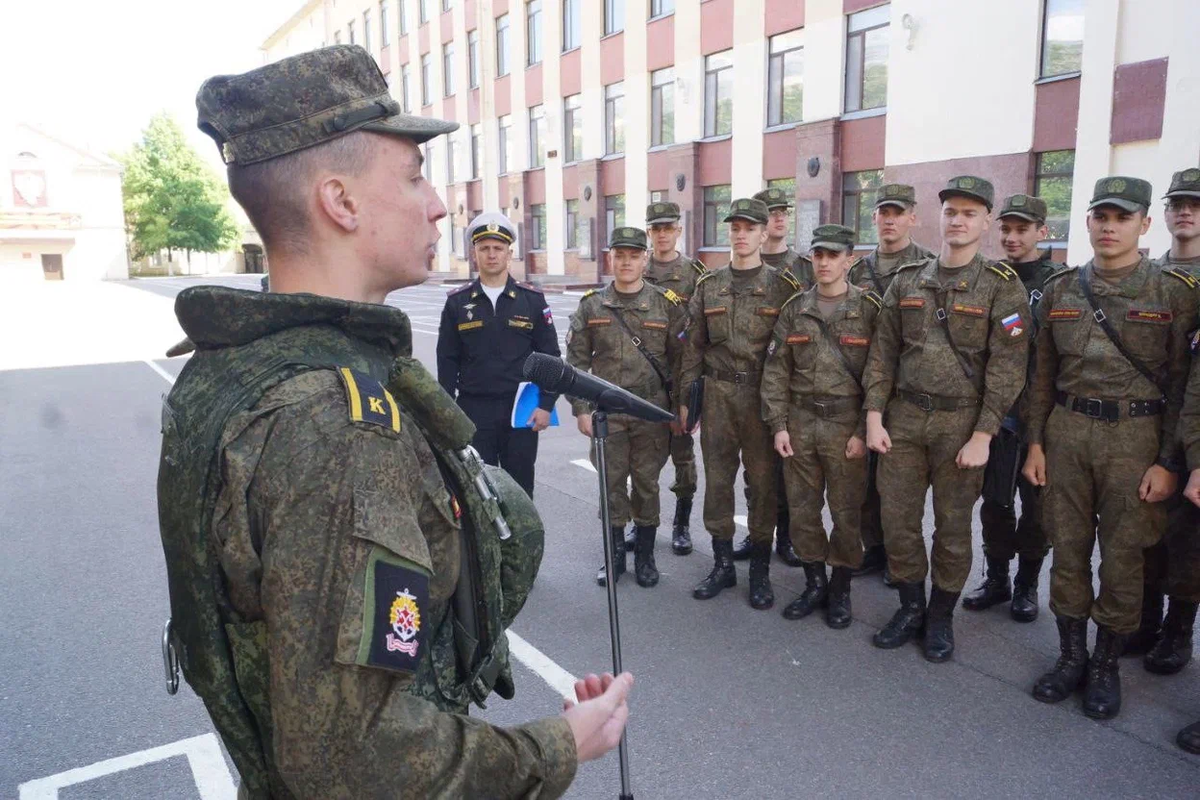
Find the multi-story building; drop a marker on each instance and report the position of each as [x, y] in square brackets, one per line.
[575, 113]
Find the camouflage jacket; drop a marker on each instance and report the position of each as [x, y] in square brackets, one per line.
[866, 274]
[987, 313]
[1190, 265]
[597, 342]
[798, 266]
[1153, 311]
[802, 361]
[729, 328]
[339, 551]
[679, 276]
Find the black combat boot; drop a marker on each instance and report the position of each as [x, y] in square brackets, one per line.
[1071, 668]
[1189, 738]
[1174, 648]
[681, 536]
[783, 539]
[815, 594]
[644, 569]
[908, 621]
[618, 538]
[761, 595]
[741, 551]
[1146, 636]
[874, 560]
[722, 575]
[837, 612]
[1024, 606]
[994, 590]
[1102, 697]
[939, 625]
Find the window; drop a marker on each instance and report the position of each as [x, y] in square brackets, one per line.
[1055, 171]
[367, 29]
[476, 152]
[406, 88]
[501, 45]
[458, 240]
[660, 7]
[446, 5]
[662, 107]
[614, 215]
[788, 185]
[537, 136]
[572, 129]
[614, 16]
[448, 69]
[385, 33]
[426, 77]
[866, 59]
[614, 118]
[858, 199]
[350, 32]
[423, 11]
[718, 94]
[428, 161]
[716, 208]
[533, 31]
[1062, 37]
[785, 78]
[473, 58]
[451, 156]
[403, 19]
[505, 144]
[537, 228]
[571, 223]
[570, 24]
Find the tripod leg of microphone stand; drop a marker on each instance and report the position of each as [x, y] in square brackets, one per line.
[599, 437]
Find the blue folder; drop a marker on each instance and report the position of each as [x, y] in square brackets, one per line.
[528, 396]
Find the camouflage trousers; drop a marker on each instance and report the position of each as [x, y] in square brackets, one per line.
[872, 524]
[683, 457]
[924, 448]
[819, 468]
[636, 452]
[1094, 468]
[1004, 535]
[732, 432]
[1173, 565]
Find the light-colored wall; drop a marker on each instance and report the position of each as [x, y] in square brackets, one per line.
[749, 97]
[824, 52]
[637, 114]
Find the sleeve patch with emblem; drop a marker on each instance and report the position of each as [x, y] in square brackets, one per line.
[1012, 324]
[549, 317]
[396, 596]
[369, 402]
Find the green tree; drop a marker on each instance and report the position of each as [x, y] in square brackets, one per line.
[173, 201]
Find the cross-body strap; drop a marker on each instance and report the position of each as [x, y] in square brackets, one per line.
[943, 318]
[641, 348]
[1085, 283]
[837, 351]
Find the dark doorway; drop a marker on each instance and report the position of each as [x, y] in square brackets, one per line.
[254, 258]
[52, 267]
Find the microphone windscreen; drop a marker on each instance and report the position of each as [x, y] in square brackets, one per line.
[544, 370]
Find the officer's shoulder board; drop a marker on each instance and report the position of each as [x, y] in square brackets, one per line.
[588, 293]
[369, 402]
[698, 265]
[1183, 275]
[529, 287]
[1003, 270]
[873, 298]
[462, 288]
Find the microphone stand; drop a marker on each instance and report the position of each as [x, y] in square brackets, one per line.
[599, 436]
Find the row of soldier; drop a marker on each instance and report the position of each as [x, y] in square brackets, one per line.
[951, 372]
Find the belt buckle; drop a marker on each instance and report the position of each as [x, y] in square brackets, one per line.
[1093, 408]
[739, 378]
[926, 403]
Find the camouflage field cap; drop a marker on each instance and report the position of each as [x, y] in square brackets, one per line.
[1025, 207]
[303, 101]
[492, 225]
[749, 209]
[1128, 194]
[657, 213]
[969, 186]
[837, 238]
[900, 195]
[628, 237]
[774, 198]
[1185, 183]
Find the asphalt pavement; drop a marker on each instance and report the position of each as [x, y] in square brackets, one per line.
[729, 702]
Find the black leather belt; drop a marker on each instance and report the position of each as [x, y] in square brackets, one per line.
[1110, 410]
[934, 402]
[740, 378]
[829, 407]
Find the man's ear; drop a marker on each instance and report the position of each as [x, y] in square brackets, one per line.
[1145, 223]
[337, 204]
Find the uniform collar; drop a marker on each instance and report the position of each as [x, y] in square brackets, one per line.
[510, 287]
[964, 278]
[1130, 286]
[808, 302]
[612, 299]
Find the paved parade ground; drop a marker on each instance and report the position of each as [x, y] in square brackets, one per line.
[729, 702]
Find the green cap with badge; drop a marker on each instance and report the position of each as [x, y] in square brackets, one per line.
[662, 212]
[1026, 207]
[900, 195]
[774, 198]
[972, 187]
[1127, 194]
[628, 237]
[302, 101]
[749, 209]
[1185, 183]
[837, 238]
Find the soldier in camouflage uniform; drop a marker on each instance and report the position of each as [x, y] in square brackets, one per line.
[894, 217]
[812, 401]
[732, 315]
[952, 342]
[314, 566]
[1173, 565]
[1102, 434]
[1022, 226]
[678, 273]
[629, 335]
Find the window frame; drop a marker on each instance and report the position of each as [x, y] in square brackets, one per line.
[658, 106]
[537, 227]
[406, 88]
[661, 12]
[385, 33]
[572, 128]
[864, 236]
[403, 21]
[533, 39]
[451, 157]
[447, 5]
[537, 131]
[1042, 42]
[711, 121]
[1038, 177]
[422, 12]
[571, 224]
[713, 205]
[476, 134]
[426, 79]
[350, 38]
[611, 219]
[503, 60]
[504, 137]
[473, 58]
[367, 29]
[614, 122]
[775, 103]
[448, 69]
[861, 33]
[614, 17]
[572, 26]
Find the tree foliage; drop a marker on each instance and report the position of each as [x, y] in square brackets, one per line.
[173, 201]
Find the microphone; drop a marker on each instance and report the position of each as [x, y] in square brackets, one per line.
[557, 376]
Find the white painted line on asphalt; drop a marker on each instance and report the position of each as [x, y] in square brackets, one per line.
[168, 377]
[740, 519]
[558, 678]
[583, 462]
[209, 771]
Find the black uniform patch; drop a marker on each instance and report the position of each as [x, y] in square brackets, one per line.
[369, 401]
[396, 600]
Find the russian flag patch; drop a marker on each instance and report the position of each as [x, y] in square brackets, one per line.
[1012, 324]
